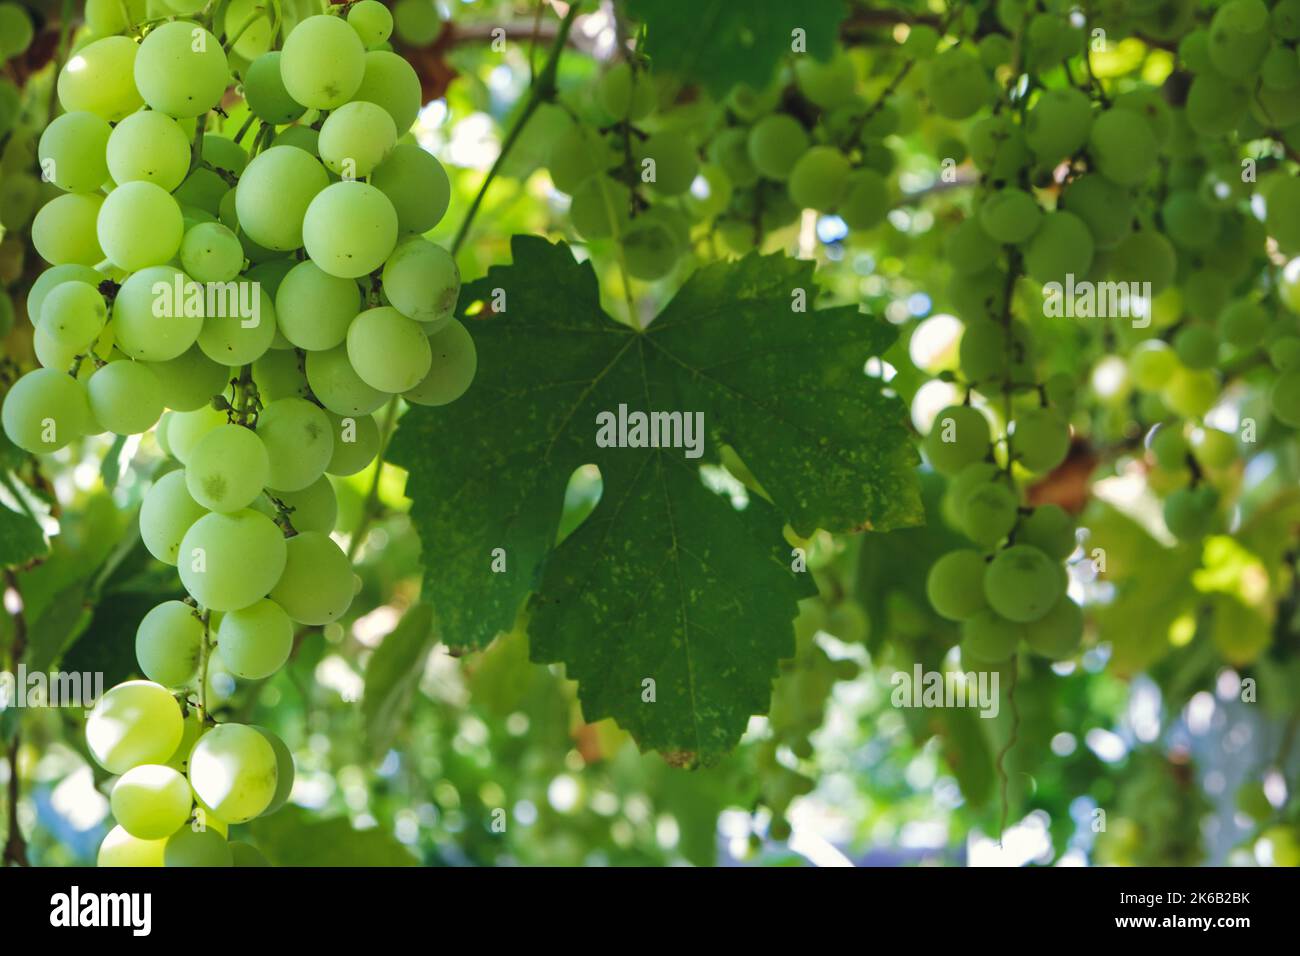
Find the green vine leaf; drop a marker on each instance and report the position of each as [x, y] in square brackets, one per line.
[21, 538]
[665, 581]
[392, 675]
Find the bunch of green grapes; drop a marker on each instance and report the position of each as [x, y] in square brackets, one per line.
[253, 306]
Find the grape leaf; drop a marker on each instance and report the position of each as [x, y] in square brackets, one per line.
[392, 675]
[291, 837]
[21, 538]
[665, 580]
[720, 43]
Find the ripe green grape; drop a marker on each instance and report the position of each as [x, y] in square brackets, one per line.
[1215, 104]
[372, 21]
[45, 410]
[285, 770]
[211, 253]
[224, 153]
[955, 584]
[957, 85]
[71, 151]
[1243, 323]
[389, 81]
[1284, 353]
[181, 69]
[1284, 398]
[729, 151]
[1061, 247]
[334, 381]
[1151, 364]
[317, 584]
[189, 380]
[825, 84]
[356, 138]
[350, 229]
[600, 208]
[242, 328]
[577, 154]
[274, 194]
[1022, 583]
[416, 22]
[228, 561]
[1010, 215]
[818, 178]
[151, 801]
[167, 643]
[356, 442]
[255, 641]
[1041, 438]
[233, 771]
[1058, 633]
[314, 308]
[16, 30]
[228, 469]
[140, 225]
[1057, 125]
[149, 146]
[1239, 37]
[98, 78]
[388, 351]
[120, 849]
[969, 249]
[675, 163]
[316, 507]
[1050, 529]
[1123, 146]
[1105, 208]
[1214, 448]
[1197, 346]
[626, 94]
[134, 723]
[775, 144]
[987, 636]
[417, 186]
[265, 92]
[204, 847]
[422, 280]
[989, 513]
[322, 62]
[299, 442]
[958, 437]
[74, 314]
[1191, 513]
[64, 230]
[1145, 256]
[166, 513]
[125, 397]
[866, 199]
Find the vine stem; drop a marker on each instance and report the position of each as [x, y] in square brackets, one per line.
[15, 849]
[1006, 748]
[542, 90]
[205, 655]
[369, 510]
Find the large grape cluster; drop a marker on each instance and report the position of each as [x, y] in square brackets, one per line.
[256, 305]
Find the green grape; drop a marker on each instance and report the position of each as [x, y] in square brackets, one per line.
[228, 561]
[989, 513]
[1215, 105]
[1041, 438]
[45, 410]
[322, 62]
[1050, 529]
[1046, 41]
[819, 179]
[1058, 633]
[987, 636]
[16, 30]
[417, 186]
[968, 248]
[1197, 346]
[576, 155]
[125, 397]
[1123, 146]
[254, 19]
[372, 21]
[74, 314]
[181, 69]
[53, 354]
[140, 225]
[188, 428]
[422, 281]
[1145, 256]
[134, 723]
[600, 208]
[120, 849]
[338, 387]
[228, 468]
[825, 84]
[356, 138]
[1057, 125]
[202, 847]
[151, 801]
[202, 190]
[1189, 220]
[750, 104]
[984, 352]
[1062, 247]
[1170, 447]
[149, 146]
[957, 85]
[1243, 323]
[107, 17]
[166, 513]
[279, 374]
[235, 335]
[317, 584]
[98, 79]
[955, 584]
[775, 144]
[416, 22]
[169, 638]
[298, 137]
[1151, 105]
[299, 442]
[958, 437]
[1286, 19]
[674, 162]
[1239, 38]
[1282, 204]
[389, 81]
[1010, 215]
[356, 443]
[255, 641]
[1214, 448]
[314, 308]
[454, 362]
[224, 153]
[866, 199]
[190, 380]
[1284, 353]
[285, 770]
[274, 194]
[651, 246]
[626, 94]
[265, 92]
[64, 230]
[1284, 398]
[194, 726]
[1151, 364]
[316, 507]
[211, 253]
[729, 150]
[350, 229]
[999, 148]
[388, 351]
[967, 480]
[1022, 583]
[71, 151]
